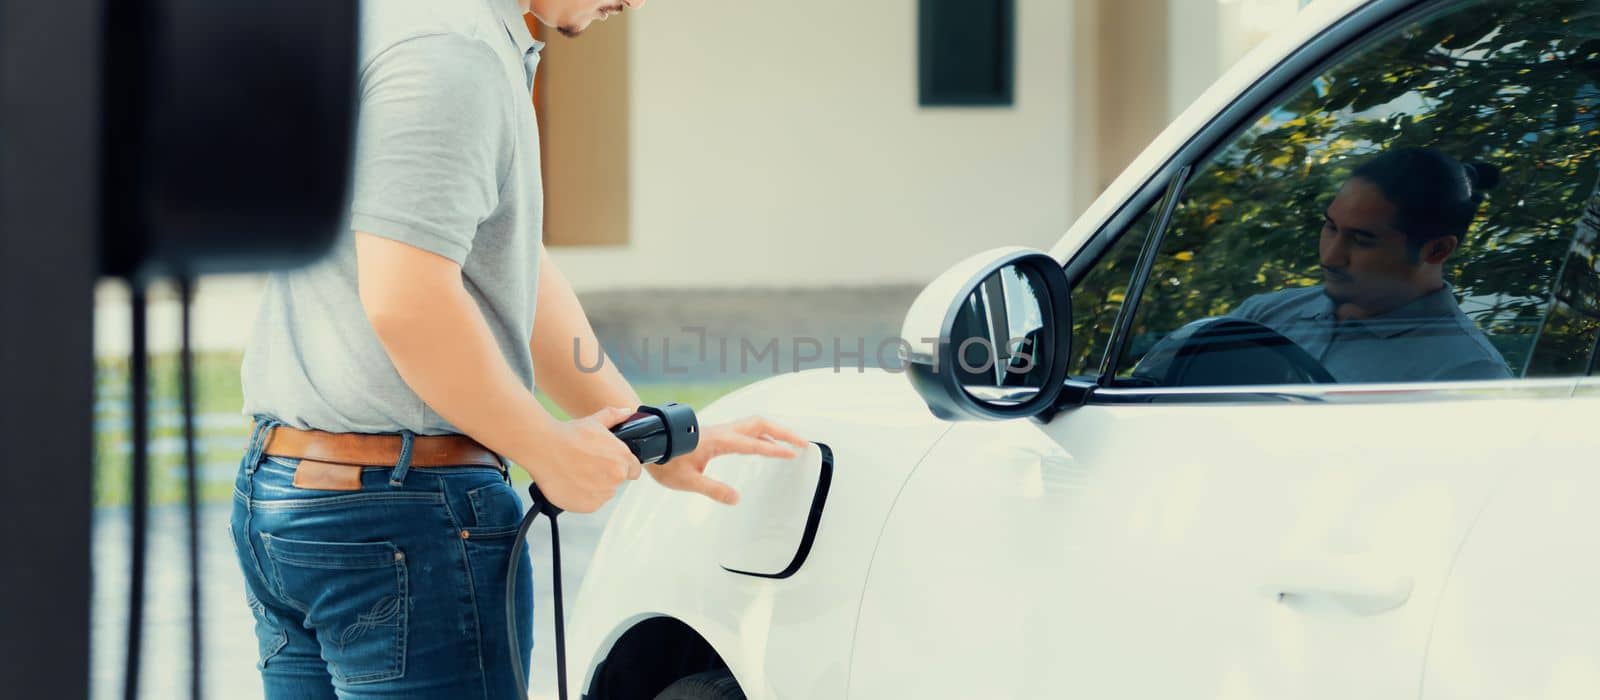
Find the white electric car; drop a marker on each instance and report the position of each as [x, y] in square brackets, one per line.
[1105, 482]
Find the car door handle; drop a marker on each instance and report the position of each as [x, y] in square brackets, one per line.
[1358, 584]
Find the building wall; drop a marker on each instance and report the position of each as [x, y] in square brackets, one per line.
[584, 144]
[1194, 36]
[1205, 38]
[777, 143]
[1131, 77]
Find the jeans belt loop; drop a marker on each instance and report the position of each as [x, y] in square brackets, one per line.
[397, 478]
[259, 437]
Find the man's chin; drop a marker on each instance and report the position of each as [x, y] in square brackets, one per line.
[1336, 292]
[571, 31]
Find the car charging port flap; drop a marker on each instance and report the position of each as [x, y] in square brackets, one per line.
[771, 534]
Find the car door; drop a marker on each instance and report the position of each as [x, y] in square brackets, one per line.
[1182, 535]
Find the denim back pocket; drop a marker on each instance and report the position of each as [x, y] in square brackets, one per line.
[354, 595]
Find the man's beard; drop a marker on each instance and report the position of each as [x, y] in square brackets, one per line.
[1331, 279]
[572, 32]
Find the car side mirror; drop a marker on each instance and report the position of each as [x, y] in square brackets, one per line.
[989, 339]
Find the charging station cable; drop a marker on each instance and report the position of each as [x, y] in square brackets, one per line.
[191, 478]
[139, 489]
[139, 475]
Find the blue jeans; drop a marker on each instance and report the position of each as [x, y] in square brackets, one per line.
[393, 591]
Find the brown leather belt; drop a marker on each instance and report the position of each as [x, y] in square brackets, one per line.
[331, 461]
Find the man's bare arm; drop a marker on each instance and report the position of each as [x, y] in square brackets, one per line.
[559, 321]
[442, 347]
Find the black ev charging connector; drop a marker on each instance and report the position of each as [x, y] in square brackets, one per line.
[655, 435]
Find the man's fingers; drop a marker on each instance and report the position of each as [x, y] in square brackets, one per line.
[757, 426]
[611, 417]
[714, 490]
[747, 445]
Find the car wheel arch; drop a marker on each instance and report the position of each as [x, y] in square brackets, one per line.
[649, 655]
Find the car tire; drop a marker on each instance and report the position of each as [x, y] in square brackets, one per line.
[711, 685]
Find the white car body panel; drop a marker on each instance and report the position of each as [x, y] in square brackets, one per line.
[1519, 618]
[1069, 556]
[878, 428]
[1020, 559]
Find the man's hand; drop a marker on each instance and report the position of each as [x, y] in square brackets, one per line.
[580, 463]
[751, 436]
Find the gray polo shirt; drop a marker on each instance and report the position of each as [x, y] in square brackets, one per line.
[1429, 339]
[447, 160]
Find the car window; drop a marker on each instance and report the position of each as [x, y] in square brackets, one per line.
[1098, 296]
[1415, 213]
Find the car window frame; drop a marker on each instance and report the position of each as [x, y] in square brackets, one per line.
[1334, 44]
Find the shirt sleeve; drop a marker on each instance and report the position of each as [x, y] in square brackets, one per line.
[429, 161]
[1249, 309]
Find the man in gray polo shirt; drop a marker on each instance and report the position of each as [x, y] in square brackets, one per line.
[417, 339]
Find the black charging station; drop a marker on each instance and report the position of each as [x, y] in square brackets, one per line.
[138, 139]
[227, 133]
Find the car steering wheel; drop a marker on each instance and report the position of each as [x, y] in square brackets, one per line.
[1223, 351]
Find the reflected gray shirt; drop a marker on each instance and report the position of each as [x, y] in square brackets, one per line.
[447, 160]
[1429, 339]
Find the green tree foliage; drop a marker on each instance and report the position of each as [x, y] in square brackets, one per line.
[1508, 82]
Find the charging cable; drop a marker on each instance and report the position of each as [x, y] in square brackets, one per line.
[655, 434]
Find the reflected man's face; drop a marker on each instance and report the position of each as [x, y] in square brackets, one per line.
[1366, 266]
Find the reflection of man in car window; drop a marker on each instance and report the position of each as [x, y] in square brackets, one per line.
[1384, 312]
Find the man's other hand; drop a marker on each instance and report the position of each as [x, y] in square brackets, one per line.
[751, 436]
